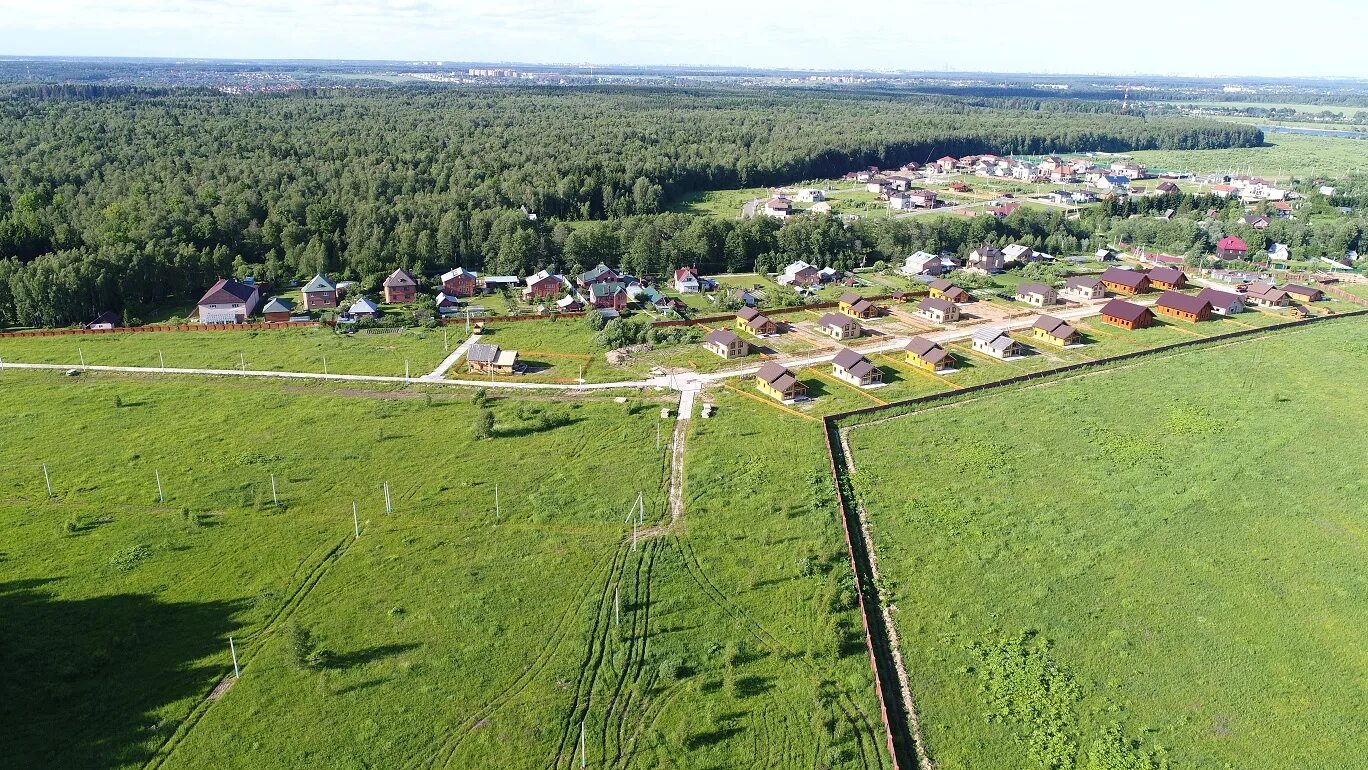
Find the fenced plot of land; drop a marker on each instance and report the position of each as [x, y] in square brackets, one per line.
[1153, 560]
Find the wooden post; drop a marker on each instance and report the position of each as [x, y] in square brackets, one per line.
[275, 498]
[47, 480]
[162, 356]
[356, 522]
[161, 496]
[237, 674]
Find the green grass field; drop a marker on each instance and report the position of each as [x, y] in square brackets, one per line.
[1163, 559]
[1281, 157]
[372, 352]
[458, 637]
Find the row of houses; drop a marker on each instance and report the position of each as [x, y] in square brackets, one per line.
[986, 259]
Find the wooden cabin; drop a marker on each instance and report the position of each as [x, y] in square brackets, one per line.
[490, 359]
[1167, 278]
[1127, 315]
[1184, 307]
[779, 383]
[1123, 281]
[925, 354]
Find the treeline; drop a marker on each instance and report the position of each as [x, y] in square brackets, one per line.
[144, 199]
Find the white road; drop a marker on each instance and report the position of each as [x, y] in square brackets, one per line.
[450, 361]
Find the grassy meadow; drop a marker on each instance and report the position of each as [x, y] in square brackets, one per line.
[1157, 563]
[1282, 156]
[455, 635]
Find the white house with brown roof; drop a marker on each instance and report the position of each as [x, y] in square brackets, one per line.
[849, 366]
[839, 326]
[228, 302]
[937, 310]
[1037, 294]
[726, 344]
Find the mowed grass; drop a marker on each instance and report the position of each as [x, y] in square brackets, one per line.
[1162, 559]
[372, 352]
[460, 635]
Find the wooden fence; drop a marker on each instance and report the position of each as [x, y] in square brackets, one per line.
[165, 328]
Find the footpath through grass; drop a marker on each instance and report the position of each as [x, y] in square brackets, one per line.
[1163, 561]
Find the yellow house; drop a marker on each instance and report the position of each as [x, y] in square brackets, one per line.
[853, 304]
[779, 383]
[925, 354]
[753, 321]
[1055, 331]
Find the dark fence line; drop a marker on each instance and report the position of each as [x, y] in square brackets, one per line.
[164, 328]
[901, 742]
[460, 319]
[719, 318]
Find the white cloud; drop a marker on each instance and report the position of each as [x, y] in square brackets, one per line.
[1262, 37]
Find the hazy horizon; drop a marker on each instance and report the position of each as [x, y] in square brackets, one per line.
[1047, 37]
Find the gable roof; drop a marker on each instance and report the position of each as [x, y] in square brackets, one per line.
[936, 303]
[748, 314]
[1219, 298]
[1232, 243]
[777, 376]
[400, 277]
[721, 337]
[1126, 311]
[538, 277]
[1031, 287]
[1301, 291]
[226, 292]
[363, 305]
[836, 319]
[940, 284]
[1185, 303]
[482, 353]
[1124, 277]
[685, 273]
[1166, 274]
[107, 317]
[320, 283]
[606, 289]
[1055, 327]
[853, 362]
[458, 273]
[1083, 281]
[597, 272]
[987, 334]
[276, 305]
[926, 350]
[1266, 291]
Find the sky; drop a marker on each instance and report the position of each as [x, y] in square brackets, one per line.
[1186, 37]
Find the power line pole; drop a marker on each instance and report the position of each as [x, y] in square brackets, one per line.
[161, 496]
[388, 507]
[237, 674]
[496, 503]
[356, 522]
[325, 364]
[47, 480]
[275, 498]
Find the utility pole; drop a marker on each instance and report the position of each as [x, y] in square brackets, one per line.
[242, 361]
[237, 674]
[47, 480]
[617, 605]
[388, 507]
[406, 370]
[275, 498]
[496, 502]
[356, 522]
[162, 356]
[161, 496]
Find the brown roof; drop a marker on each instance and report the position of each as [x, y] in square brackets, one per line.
[850, 297]
[1219, 298]
[226, 292]
[1185, 303]
[1302, 291]
[1120, 275]
[777, 376]
[1089, 281]
[936, 303]
[835, 319]
[853, 362]
[748, 314]
[1126, 311]
[1055, 327]
[940, 284]
[721, 336]
[1266, 291]
[1034, 288]
[926, 350]
[401, 277]
[1170, 275]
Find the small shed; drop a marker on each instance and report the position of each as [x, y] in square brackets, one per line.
[276, 310]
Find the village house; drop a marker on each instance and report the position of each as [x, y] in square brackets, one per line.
[1222, 190]
[319, 293]
[1166, 188]
[1165, 278]
[1123, 281]
[994, 342]
[800, 273]
[922, 263]
[922, 198]
[1104, 255]
[482, 358]
[1256, 221]
[1231, 247]
[1303, 293]
[686, 280]
[276, 310]
[1113, 183]
[447, 303]
[779, 383]
[943, 289]
[779, 208]
[1084, 287]
[1055, 331]
[986, 259]
[1037, 294]
[751, 320]
[497, 283]
[945, 164]
[110, 320]
[809, 195]
[938, 310]
[1278, 252]
[925, 354]
[542, 285]
[569, 304]
[1222, 302]
[363, 308]
[839, 326]
[601, 273]
[1282, 209]
[1018, 254]
[725, 344]
[855, 369]
[1127, 315]
[401, 288]
[853, 304]
[228, 302]
[460, 282]
[1184, 307]
[610, 294]
[900, 202]
[1267, 295]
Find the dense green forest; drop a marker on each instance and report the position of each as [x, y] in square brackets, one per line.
[135, 198]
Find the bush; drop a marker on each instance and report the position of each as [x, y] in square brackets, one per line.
[299, 645]
[483, 426]
[130, 557]
[672, 668]
[480, 398]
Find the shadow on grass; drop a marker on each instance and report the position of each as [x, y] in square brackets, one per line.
[84, 677]
[370, 654]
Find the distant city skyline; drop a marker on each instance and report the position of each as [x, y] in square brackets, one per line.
[1259, 38]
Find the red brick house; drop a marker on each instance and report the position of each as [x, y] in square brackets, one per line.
[401, 288]
[543, 285]
[460, 282]
[1231, 247]
[320, 293]
[608, 294]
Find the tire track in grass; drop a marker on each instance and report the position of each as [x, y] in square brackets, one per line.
[450, 743]
[635, 668]
[250, 646]
[848, 708]
[590, 667]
